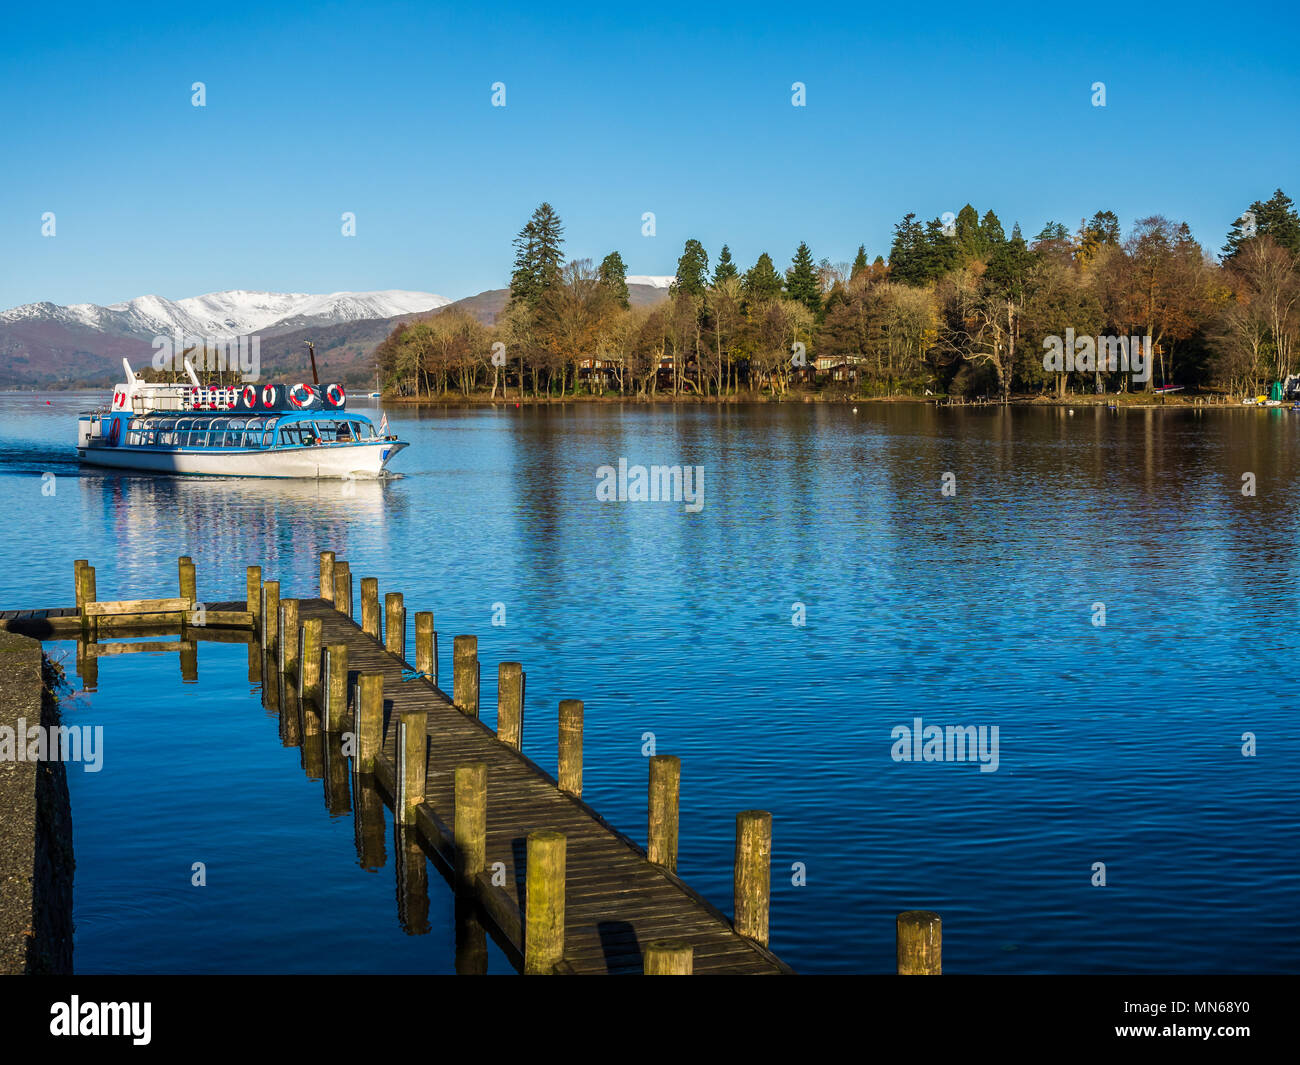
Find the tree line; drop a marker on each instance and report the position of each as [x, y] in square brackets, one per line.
[959, 308]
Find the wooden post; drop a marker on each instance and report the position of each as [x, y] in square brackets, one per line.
[334, 685]
[426, 645]
[77, 567]
[189, 656]
[89, 625]
[469, 828]
[464, 674]
[665, 787]
[270, 615]
[571, 746]
[544, 902]
[412, 758]
[395, 625]
[327, 576]
[309, 663]
[289, 637]
[189, 590]
[753, 873]
[920, 943]
[370, 719]
[668, 957]
[370, 606]
[253, 582]
[510, 704]
[343, 589]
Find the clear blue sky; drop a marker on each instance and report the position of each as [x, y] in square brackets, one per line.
[612, 110]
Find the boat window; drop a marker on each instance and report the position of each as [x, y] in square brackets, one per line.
[236, 423]
[202, 423]
[268, 438]
[199, 438]
[183, 424]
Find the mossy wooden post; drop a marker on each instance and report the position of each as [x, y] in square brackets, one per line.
[327, 576]
[270, 616]
[920, 943]
[665, 788]
[343, 589]
[426, 645]
[77, 567]
[189, 587]
[289, 637]
[668, 957]
[544, 902]
[89, 625]
[464, 674]
[570, 768]
[412, 757]
[510, 704]
[395, 625]
[469, 828]
[370, 606]
[309, 666]
[334, 687]
[370, 719]
[753, 873]
[253, 584]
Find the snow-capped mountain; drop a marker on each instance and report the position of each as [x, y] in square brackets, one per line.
[652, 280]
[226, 314]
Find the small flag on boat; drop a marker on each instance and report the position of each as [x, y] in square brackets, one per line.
[383, 425]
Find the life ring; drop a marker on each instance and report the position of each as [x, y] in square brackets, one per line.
[334, 394]
[115, 433]
[304, 402]
[250, 397]
[268, 397]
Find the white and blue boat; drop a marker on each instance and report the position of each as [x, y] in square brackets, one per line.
[248, 430]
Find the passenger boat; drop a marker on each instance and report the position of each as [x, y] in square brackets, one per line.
[271, 430]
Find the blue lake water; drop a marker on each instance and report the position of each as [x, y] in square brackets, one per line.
[1119, 744]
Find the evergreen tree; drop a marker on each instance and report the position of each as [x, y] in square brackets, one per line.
[761, 281]
[906, 254]
[1009, 266]
[991, 230]
[692, 269]
[726, 267]
[1105, 224]
[859, 261]
[801, 280]
[939, 252]
[968, 236]
[613, 276]
[1275, 218]
[537, 257]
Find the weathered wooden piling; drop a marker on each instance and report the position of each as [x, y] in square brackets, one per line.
[510, 704]
[327, 576]
[289, 637]
[370, 719]
[188, 581]
[919, 940]
[77, 567]
[411, 755]
[668, 957]
[309, 662]
[544, 902]
[189, 656]
[343, 588]
[334, 685]
[253, 583]
[89, 625]
[665, 788]
[753, 873]
[570, 761]
[464, 674]
[469, 828]
[395, 625]
[270, 616]
[370, 606]
[426, 645]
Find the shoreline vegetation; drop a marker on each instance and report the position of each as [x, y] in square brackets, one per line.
[960, 313]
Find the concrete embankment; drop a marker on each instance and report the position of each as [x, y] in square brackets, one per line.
[36, 863]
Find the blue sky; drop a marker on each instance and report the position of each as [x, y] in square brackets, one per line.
[611, 111]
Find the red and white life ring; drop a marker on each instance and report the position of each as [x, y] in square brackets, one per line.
[307, 397]
[268, 397]
[250, 397]
[335, 396]
[115, 433]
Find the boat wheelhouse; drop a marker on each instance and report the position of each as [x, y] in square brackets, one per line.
[239, 432]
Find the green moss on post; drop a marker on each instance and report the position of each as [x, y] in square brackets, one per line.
[412, 759]
[334, 687]
[289, 637]
[464, 674]
[668, 957]
[395, 625]
[309, 666]
[426, 645]
[510, 704]
[270, 616]
[253, 585]
[665, 787]
[343, 589]
[77, 567]
[370, 719]
[919, 936]
[544, 902]
[469, 829]
[753, 873]
[370, 606]
[189, 585]
[570, 767]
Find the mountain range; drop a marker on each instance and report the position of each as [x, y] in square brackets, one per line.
[45, 345]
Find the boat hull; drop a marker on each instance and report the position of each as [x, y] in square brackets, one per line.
[333, 461]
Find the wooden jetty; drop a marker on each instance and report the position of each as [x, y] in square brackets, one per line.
[560, 890]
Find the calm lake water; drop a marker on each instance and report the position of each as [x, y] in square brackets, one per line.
[1119, 744]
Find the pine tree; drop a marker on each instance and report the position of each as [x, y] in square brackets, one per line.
[859, 261]
[939, 252]
[726, 267]
[991, 230]
[968, 236]
[692, 269]
[801, 281]
[1276, 218]
[537, 257]
[613, 276]
[906, 254]
[761, 281]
